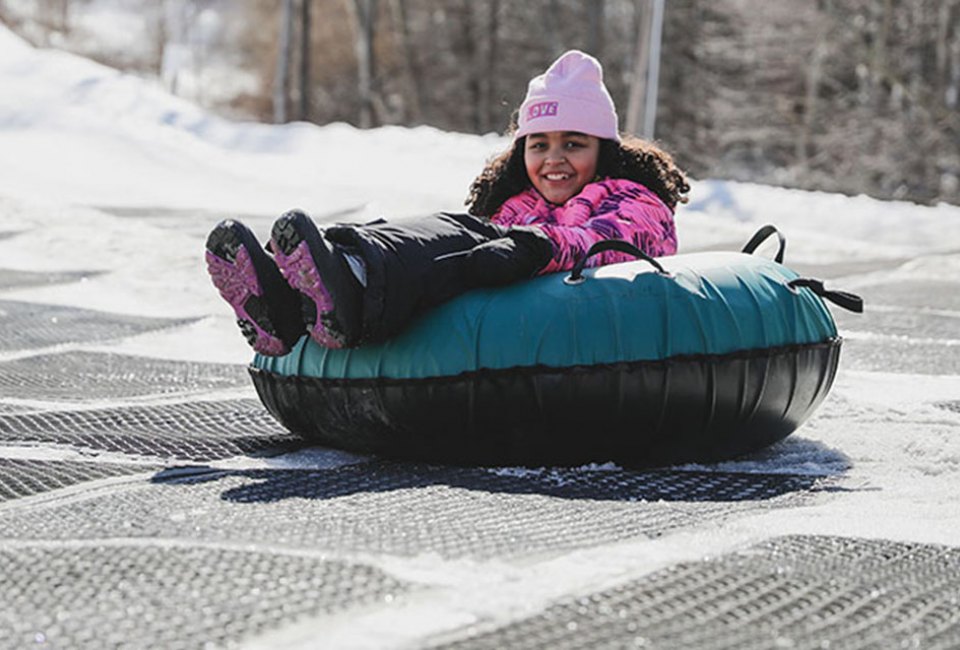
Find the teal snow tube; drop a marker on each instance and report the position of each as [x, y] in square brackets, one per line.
[696, 357]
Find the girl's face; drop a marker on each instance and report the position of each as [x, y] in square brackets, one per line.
[560, 163]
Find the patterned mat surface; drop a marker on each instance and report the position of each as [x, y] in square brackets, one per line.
[79, 376]
[403, 509]
[950, 406]
[26, 326]
[20, 478]
[904, 323]
[908, 326]
[900, 356]
[194, 431]
[163, 546]
[916, 294]
[790, 592]
[129, 596]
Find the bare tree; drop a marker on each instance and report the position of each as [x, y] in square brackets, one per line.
[811, 113]
[55, 15]
[51, 16]
[951, 94]
[281, 87]
[411, 66]
[642, 108]
[553, 20]
[366, 15]
[595, 27]
[852, 95]
[465, 47]
[306, 31]
[62, 9]
[488, 70]
[160, 35]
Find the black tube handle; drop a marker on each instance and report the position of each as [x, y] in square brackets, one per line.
[761, 236]
[845, 299]
[619, 245]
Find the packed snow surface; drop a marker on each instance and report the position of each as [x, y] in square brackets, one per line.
[111, 174]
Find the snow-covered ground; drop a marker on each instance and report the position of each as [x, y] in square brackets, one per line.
[109, 173]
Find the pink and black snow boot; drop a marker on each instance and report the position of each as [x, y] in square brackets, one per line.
[319, 270]
[267, 308]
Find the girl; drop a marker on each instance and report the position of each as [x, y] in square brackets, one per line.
[567, 182]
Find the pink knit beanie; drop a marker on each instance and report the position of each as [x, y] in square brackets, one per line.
[569, 96]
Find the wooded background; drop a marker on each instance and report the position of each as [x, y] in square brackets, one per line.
[852, 96]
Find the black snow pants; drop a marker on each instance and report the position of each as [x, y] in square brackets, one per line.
[416, 264]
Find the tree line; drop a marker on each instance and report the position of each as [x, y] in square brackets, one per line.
[853, 96]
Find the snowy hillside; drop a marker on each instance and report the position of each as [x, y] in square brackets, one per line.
[77, 133]
[111, 176]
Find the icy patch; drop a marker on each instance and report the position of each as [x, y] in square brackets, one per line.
[312, 458]
[57, 452]
[553, 475]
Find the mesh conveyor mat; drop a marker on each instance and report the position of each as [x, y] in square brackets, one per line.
[406, 509]
[567, 483]
[20, 478]
[25, 326]
[920, 294]
[790, 592]
[906, 323]
[187, 431]
[900, 356]
[949, 406]
[84, 376]
[149, 597]
[12, 279]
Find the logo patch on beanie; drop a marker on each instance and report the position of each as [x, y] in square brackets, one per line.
[543, 109]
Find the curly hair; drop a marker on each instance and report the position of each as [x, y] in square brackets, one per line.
[633, 158]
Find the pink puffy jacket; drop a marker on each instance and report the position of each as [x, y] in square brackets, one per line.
[608, 209]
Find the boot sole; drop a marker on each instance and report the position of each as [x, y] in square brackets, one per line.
[235, 277]
[291, 239]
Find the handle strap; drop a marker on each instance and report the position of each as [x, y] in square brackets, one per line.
[848, 301]
[761, 236]
[619, 245]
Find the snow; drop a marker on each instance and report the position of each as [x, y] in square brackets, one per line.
[88, 154]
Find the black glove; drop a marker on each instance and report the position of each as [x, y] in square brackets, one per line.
[518, 255]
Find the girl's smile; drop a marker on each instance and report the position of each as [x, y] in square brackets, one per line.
[560, 163]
